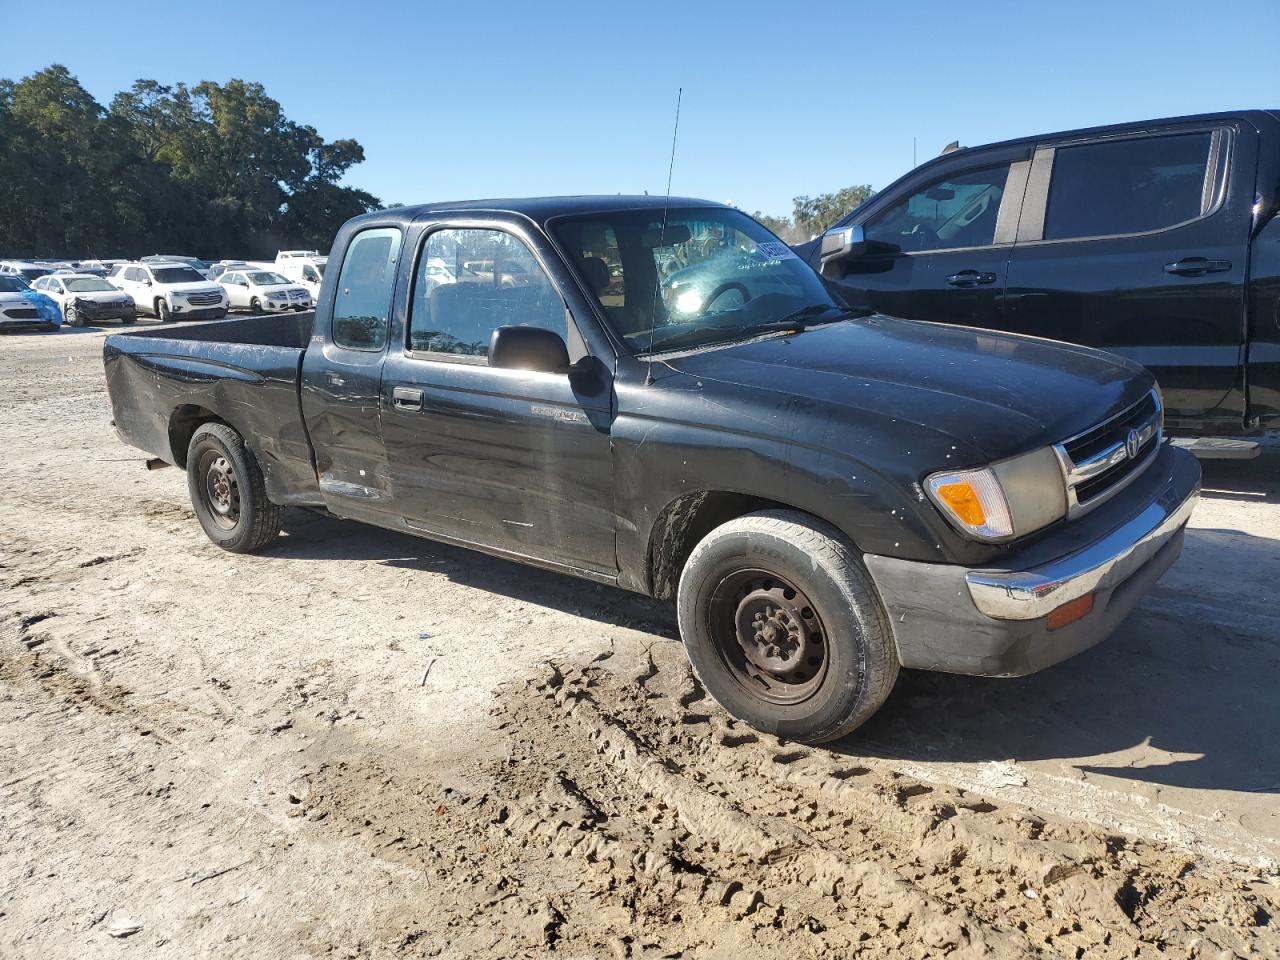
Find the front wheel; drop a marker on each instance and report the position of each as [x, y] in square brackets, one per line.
[784, 626]
[255, 305]
[228, 491]
[162, 311]
[72, 316]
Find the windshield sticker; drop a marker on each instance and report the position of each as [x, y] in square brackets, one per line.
[773, 250]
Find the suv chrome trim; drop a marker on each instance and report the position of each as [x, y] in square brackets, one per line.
[1127, 448]
[1031, 594]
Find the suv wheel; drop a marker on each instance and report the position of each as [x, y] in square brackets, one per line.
[784, 626]
[162, 311]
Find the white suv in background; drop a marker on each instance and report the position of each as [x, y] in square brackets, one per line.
[306, 271]
[171, 291]
[263, 291]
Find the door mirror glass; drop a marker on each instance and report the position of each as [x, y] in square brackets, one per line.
[528, 348]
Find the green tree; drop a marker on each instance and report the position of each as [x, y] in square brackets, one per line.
[812, 215]
[212, 170]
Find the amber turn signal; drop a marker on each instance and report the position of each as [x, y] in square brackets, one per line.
[1069, 612]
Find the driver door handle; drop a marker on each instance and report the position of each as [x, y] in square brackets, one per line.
[970, 278]
[1195, 266]
[406, 398]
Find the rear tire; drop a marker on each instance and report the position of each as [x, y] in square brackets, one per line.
[128, 320]
[228, 491]
[162, 311]
[784, 626]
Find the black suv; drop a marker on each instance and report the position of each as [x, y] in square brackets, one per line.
[1157, 240]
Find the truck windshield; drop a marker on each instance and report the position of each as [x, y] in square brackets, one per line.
[711, 275]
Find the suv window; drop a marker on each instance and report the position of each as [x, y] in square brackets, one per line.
[363, 304]
[955, 211]
[1126, 186]
[472, 281]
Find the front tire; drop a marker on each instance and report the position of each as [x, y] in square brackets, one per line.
[72, 317]
[228, 491]
[162, 311]
[255, 306]
[784, 626]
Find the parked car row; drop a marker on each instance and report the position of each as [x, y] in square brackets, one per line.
[43, 295]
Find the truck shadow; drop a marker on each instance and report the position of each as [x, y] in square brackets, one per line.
[313, 535]
[1249, 481]
[1183, 694]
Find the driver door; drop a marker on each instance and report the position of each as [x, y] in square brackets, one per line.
[938, 247]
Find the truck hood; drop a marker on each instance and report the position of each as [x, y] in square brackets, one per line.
[998, 394]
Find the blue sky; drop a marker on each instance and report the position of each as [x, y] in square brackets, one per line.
[479, 99]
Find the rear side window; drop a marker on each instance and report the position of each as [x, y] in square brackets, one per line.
[363, 304]
[472, 281]
[956, 211]
[1126, 186]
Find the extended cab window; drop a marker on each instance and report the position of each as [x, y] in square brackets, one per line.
[957, 211]
[472, 281]
[368, 276]
[1126, 186]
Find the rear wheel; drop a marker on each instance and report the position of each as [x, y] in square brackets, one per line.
[784, 626]
[228, 491]
[128, 320]
[162, 311]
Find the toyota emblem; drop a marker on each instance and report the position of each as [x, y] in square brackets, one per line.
[1132, 444]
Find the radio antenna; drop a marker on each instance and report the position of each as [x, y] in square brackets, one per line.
[662, 236]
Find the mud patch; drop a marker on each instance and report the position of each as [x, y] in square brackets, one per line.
[629, 817]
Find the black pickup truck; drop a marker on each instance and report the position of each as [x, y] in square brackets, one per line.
[1157, 240]
[665, 398]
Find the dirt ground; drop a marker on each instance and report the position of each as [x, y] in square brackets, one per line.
[359, 744]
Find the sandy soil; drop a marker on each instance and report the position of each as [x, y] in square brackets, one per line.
[358, 744]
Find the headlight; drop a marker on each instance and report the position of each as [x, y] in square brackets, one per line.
[1004, 501]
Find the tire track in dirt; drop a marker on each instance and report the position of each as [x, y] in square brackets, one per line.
[628, 816]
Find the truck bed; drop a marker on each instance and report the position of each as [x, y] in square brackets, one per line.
[165, 383]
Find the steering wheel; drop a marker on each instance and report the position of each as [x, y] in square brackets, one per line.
[721, 290]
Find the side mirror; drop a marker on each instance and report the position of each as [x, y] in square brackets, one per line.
[528, 348]
[843, 243]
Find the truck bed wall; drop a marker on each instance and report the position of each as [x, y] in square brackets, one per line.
[243, 372]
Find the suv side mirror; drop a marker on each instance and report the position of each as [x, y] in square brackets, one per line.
[843, 243]
[528, 348]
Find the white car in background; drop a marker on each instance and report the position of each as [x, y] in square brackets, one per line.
[20, 307]
[297, 255]
[263, 291]
[28, 271]
[307, 271]
[86, 298]
[171, 291]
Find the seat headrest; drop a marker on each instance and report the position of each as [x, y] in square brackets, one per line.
[596, 272]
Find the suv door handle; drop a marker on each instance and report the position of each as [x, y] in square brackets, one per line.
[1195, 266]
[970, 278]
[406, 398]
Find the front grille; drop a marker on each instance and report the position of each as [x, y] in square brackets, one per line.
[1103, 459]
[1094, 441]
[22, 313]
[204, 299]
[298, 294]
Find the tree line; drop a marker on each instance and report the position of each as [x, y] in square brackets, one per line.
[811, 215]
[211, 170]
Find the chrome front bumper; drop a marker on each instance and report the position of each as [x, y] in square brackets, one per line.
[1030, 594]
[994, 621]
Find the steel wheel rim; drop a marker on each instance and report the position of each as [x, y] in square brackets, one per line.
[220, 489]
[768, 633]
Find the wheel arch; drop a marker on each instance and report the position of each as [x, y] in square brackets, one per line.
[183, 423]
[686, 520]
